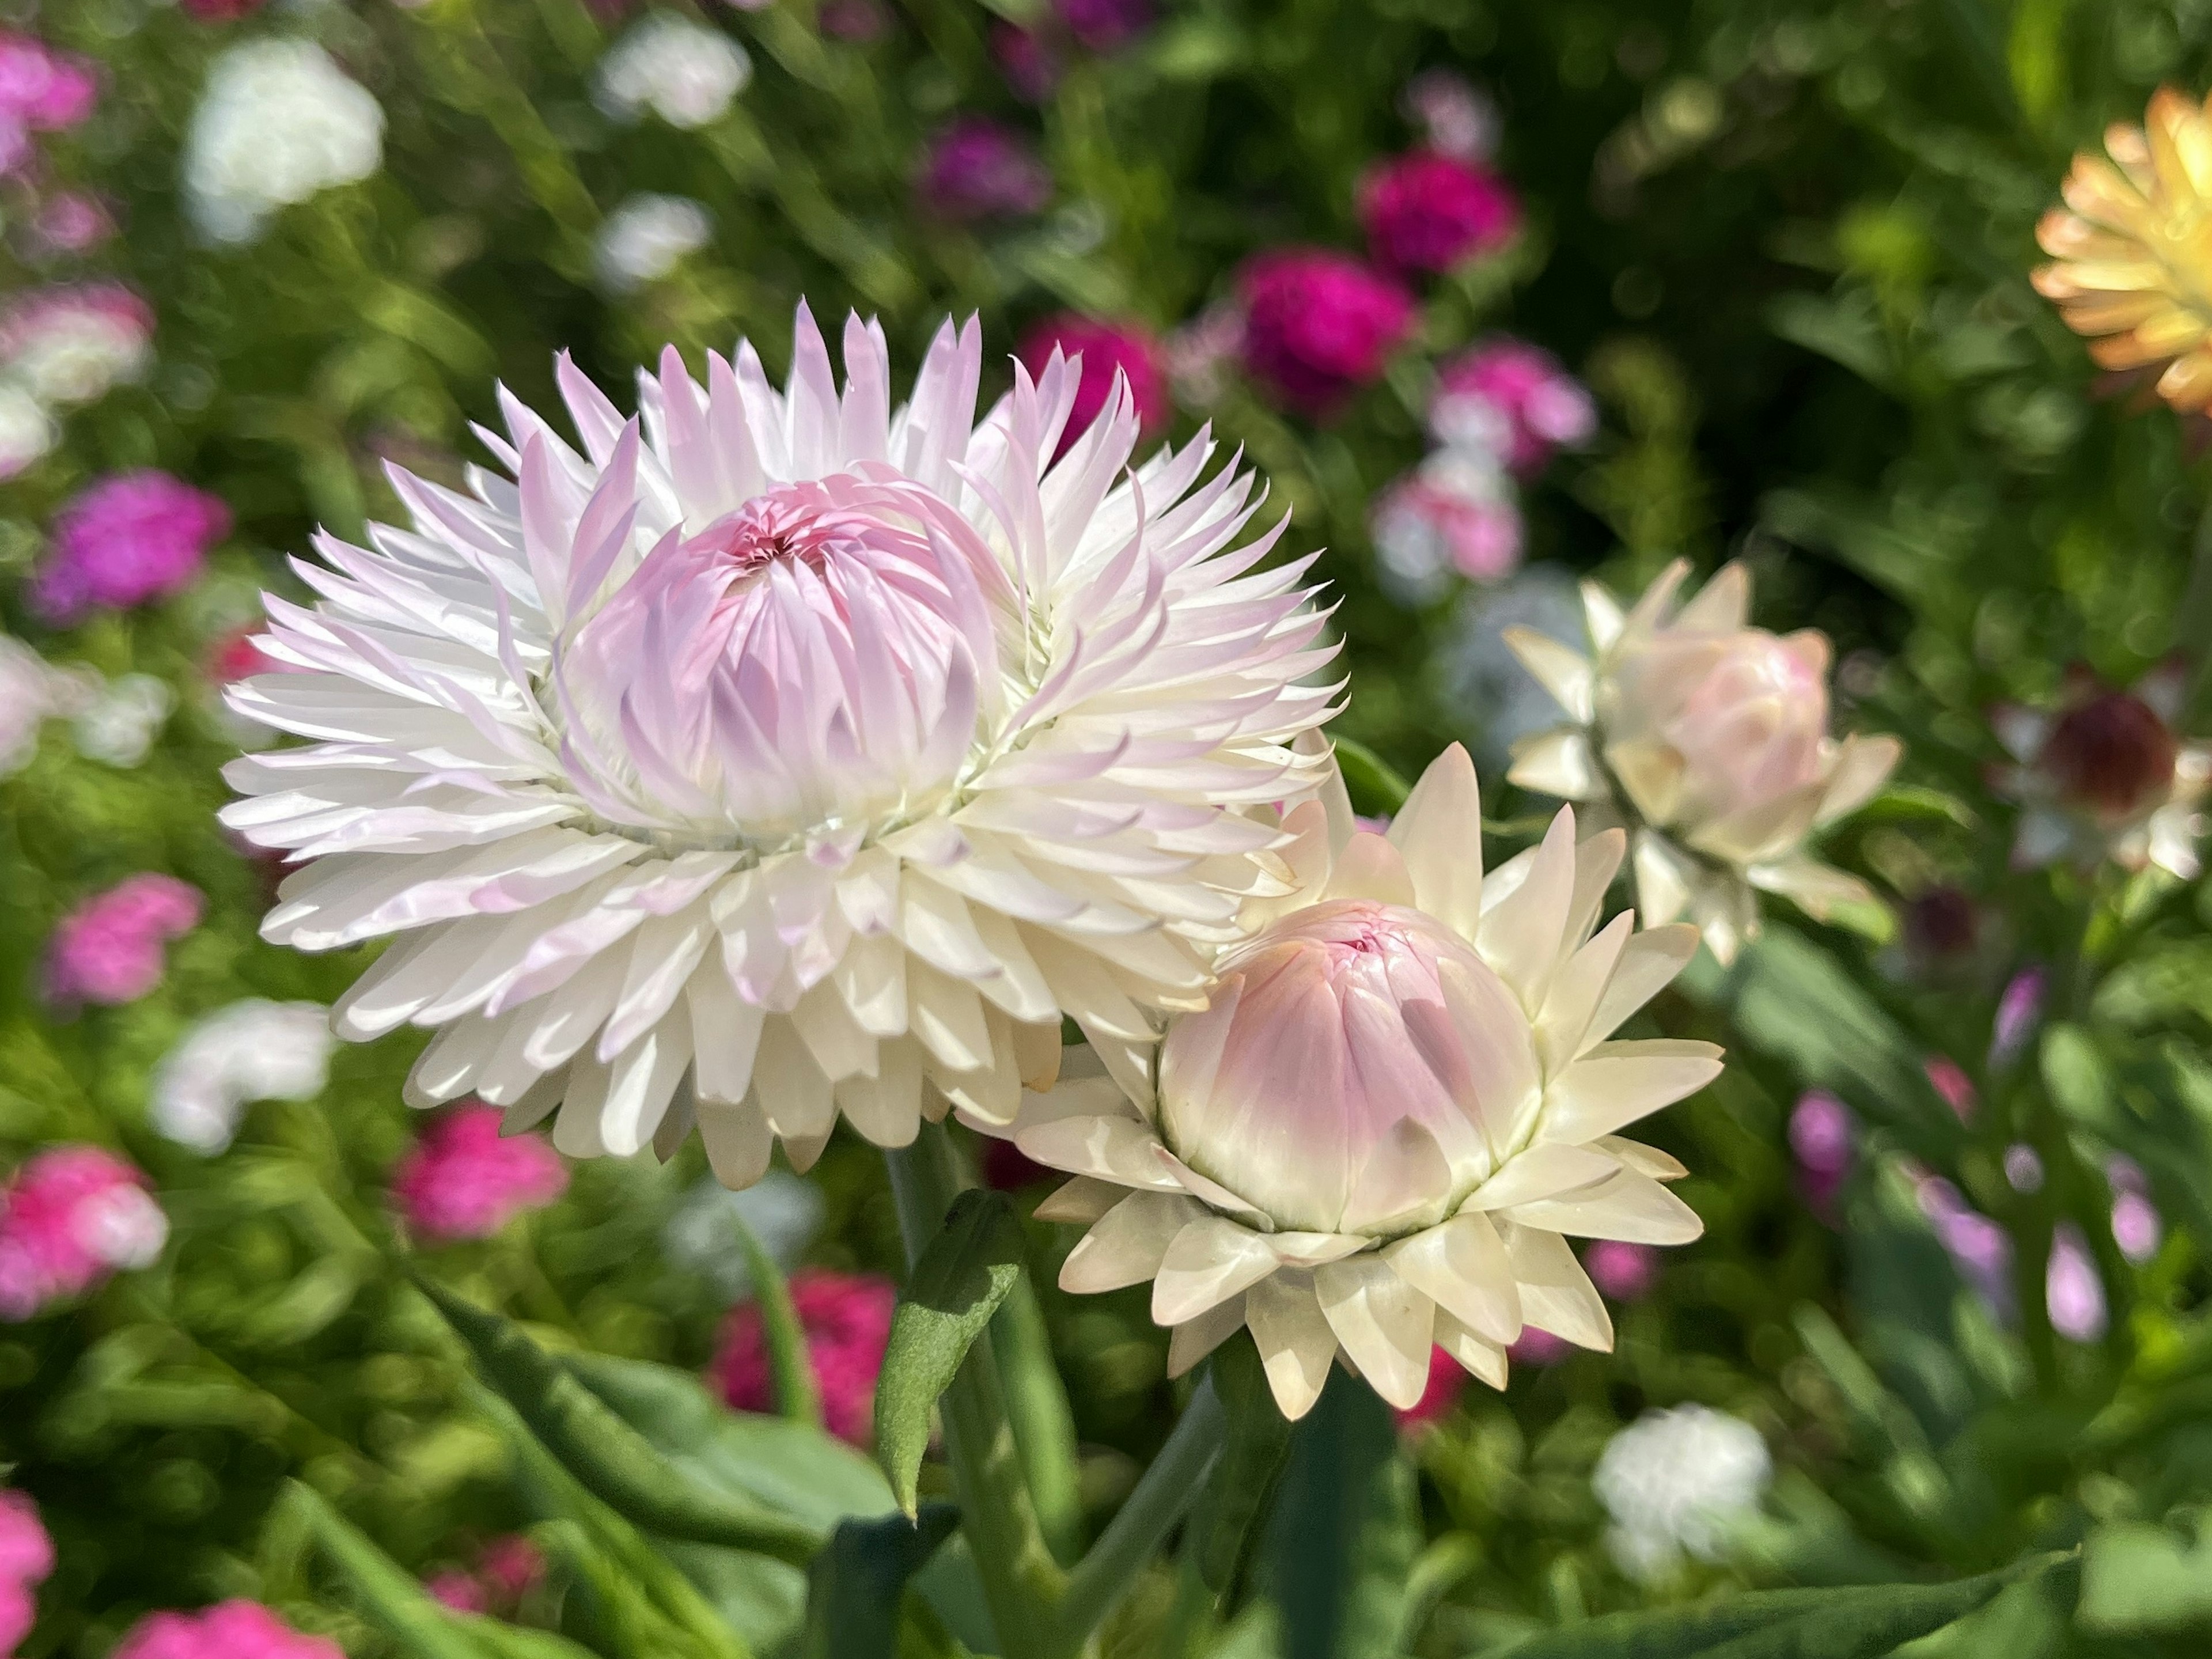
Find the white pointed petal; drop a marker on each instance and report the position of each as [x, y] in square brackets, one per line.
[1632, 1207]
[1370, 867]
[1297, 1346]
[1597, 861]
[1601, 615]
[1721, 606]
[886, 1108]
[1645, 1160]
[1816, 888]
[1116, 1149]
[1617, 1083]
[1559, 669]
[1664, 880]
[1546, 1168]
[1481, 1359]
[1520, 936]
[1463, 1267]
[1438, 832]
[1649, 962]
[1209, 1261]
[1560, 762]
[1128, 1243]
[725, 1033]
[1863, 765]
[738, 1142]
[1384, 1324]
[1199, 1336]
[1576, 991]
[1556, 1294]
[1650, 772]
[1081, 1202]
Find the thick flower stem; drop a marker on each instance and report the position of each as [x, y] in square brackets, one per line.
[1135, 1536]
[1021, 1581]
[1044, 1427]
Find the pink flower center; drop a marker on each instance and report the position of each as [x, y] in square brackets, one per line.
[2113, 754]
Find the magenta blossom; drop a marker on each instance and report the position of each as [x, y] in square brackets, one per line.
[229, 1629]
[465, 1180]
[2072, 1291]
[977, 169]
[857, 20]
[1426, 211]
[42, 89]
[68, 1217]
[71, 222]
[1950, 1080]
[1447, 1381]
[2018, 1011]
[1318, 324]
[1538, 1346]
[109, 950]
[1104, 25]
[847, 1321]
[130, 538]
[27, 1556]
[1028, 59]
[1103, 348]
[1625, 1272]
[1541, 407]
[507, 1568]
[1821, 1131]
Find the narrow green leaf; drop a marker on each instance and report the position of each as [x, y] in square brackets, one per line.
[1372, 783]
[396, 1601]
[789, 1366]
[955, 1288]
[855, 1586]
[1245, 1479]
[1864, 1622]
[608, 1457]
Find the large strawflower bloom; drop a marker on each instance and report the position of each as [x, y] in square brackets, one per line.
[1710, 740]
[779, 752]
[1398, 1098]
[2132, 264]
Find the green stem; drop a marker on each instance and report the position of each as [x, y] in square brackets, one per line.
[1044, 1426]
[1020, 1581]
[1135, 1536]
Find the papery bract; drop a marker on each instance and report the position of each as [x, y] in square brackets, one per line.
[781, 751]
[1710, 738]
[1398, 1099]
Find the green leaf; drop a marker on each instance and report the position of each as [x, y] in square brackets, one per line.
[1245, 1479]
[2138, 1578]
[606, 1457]
[1373, 783]
[855, 1586]
[1346, 1530]
[789, 1365]
[1863, 1622]
[955, 1288]
[397, 1602]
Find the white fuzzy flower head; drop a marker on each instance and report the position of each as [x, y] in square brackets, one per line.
[778, 752]
[277, 122]
[252, 1050]
[33, 692]
[1677, 1482]
[1710, 737]
[1398, 1101]
[27, 431]
[117, 727]
[2104, 775]
[682, 71]
[121, 1225]
[642, 238]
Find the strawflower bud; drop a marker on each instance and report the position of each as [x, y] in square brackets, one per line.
[1711, 738]
[1398, 1098]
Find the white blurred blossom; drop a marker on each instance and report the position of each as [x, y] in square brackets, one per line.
[1679, 1482]
[121, 1225]
[784, 1211]
[278, 121]
[27, 431]
[252, 1050]
[33, 692]
[119, 725]
[644, 237]
[682, 71]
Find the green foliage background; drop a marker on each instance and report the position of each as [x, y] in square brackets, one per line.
[1785, 242]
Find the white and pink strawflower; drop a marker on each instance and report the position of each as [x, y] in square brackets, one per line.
[1398, 1102]
[1709, 739]
[782, 754]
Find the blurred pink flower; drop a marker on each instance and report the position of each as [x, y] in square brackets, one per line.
[1536, 1346]
[857, 20]
[68, 1217]
[129, 537]
[109, 950]
[229, 1629]
[2018, 1010]
[847, 1321]
[2071, 1288]
[27, 1556]
[1544, 408]
[41, 87]
[1102, 25]
[1028, 59]
[1421, 524]
[1447, 1381]
[72, 222]
[1426, 211]
[463, 1179]
[1951, 1081]
[1822, 1131]
[507, 1567]
[2135, 1225]
[1454, 119]
[458, 1590]
[1318, 324]
[1979, 1247]
[1103, 347]
[1625, 1272]
[976, 168]
[67, 344]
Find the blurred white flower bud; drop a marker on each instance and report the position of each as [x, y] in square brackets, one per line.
[278, 121]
